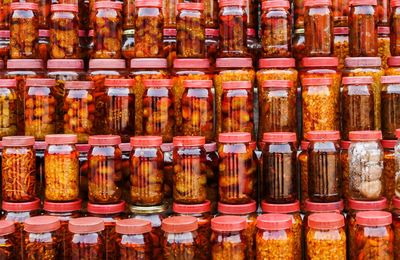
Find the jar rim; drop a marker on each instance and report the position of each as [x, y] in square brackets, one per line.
[188, 141]
[275, 4]
[277, 83]
[40, 82]
[326, 221]
[337, 206]
[234, 63]
[109, 4]
[197, 83]
[8, 83]
[247, 208]
[361, 80]
[390, 79]
[147, 3]
[363, 62]
[388, 144]
[61, 139]
[18, 141]
[236, 85]
[316, 82]
[146, 141]
[315, 3]
[276, 63]
[79, 85]
[24, 64]
[148, 63]
[371, 135]
[150, 83]
[234, 137]
[368, 205]
[363, 2]
[191, 64]
[21, 206]
[274, 221]
[65, 64]
[318, 61]
[104, 140]
[64, 8]
[224, 3]
[279, 137]
[24, 6]
[190, 6]
[119, 83]
[6, 227]
[107, 63]
[322, 135]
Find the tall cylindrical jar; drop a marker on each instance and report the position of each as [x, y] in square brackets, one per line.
[8, 107]
[389, 170]
[134, 239]
[395, 28]
[390, 100]
[341, 42]
[344, 160]
[87, 241]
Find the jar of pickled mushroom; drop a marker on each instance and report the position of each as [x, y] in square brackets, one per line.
[341, 44]
[326, 236]
[64, 38]
[247, 211]
[253, 45]
[4, 44]
[8, 107]
[211, 45]
[149, 29]
[198, 109]
[169, 44]
[169, 11]
[189, 178]
[298, 10]
[105, 173]
[366, 165]
[318, 28]
[128, 44]
[393, 66]
[276, 29]
[303, 165]
[275, 239]
[190, 28]
[232, 29]
[87, 241]
[374, 237]
[8, 247]
[212, 168]
[341, 10]
[65, 211]
[396, 226]
[355, 207]
[44, 45]
[390, 96]
[363, 36]
[128, 15]
[24, 29]
[394, 28]
[5, 15]
[344, 163]
[203, 215]
[384, 45]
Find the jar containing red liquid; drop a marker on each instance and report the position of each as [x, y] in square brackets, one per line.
[8, 247]
[341, 41]
[341, 10]
[169, 42]
[299, 14]
[383, 12]
[211, 45]
[128, 14]
[8, 105]
[128, 44]
[134, 239]
[394, 28]
[212, 168]
[390, 96]
[211, 13]
[44, 45]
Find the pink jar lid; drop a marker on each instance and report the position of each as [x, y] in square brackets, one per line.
[179, 224]
[325, 221]
[223, 3]
[198, 83]
[104, 209]
[390, 79]
[6, 227]
[358, 80]
[324, 207]
[241, 209]
[82, 148]
[323, 135]
[167, 147]
[234, 63]
[21, 206]
[147, 3]
[320, 61]
[394, 3]
[40, 145]
[191, 64]
[79, 85]
[169, 32]
[41, 224]
[304, 145]
[388, 144]
[8, 83]
[280, 208]
[274, 221]
[119, 82]
[228, 223]
[234, 137]
[60, 207]
[345, 145]
[365, 135]
[362, 2]
[279, 137]
[236, 85]
[104, 140]
[149, 63]
[44, 33]
[368, 205]
[211, 147]
[151, 83]
[340, 30]
[4, 33]
[82, 33]
[64, 8]
[275, 4]
[18, 141]
[394, 61]
[107, 63]
[191, 208]
[251, 32]
[396, 202]
[383, 30]
[277, 84]
[354, 62]
[24, 6]
[125, 147]
[91, 34]
[191, 6]
[146, 141]
[109, 4]
[61, 139]
[374, 218]
[65, 64]
[212, 32]
[86, 225]
[189, 141]
[315, 3]
[317, 81]
[40, 82]
[277, 62]
[24, 64]
[133, 226]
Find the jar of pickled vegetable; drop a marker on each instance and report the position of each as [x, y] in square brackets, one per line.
[8, 107]
[232, 28]
[149, 29]
[24, 29]
[105, 174]
[211, 45]
[354, 208]
[344, 163]
[374, 237]
[383, 13]
[326, 237]
[276, 26]
[303, 164]
[384, 45]
[169, 42]
[190, 30]
[397, 165]
[126, 149]
[211, 13]
[253, 45]
[396, 226]
[4, 44]
[363, 36]
[8, 246]
[394, 28]
[318, 24]
[212, 168]
[5, 15]
[44, 45]
[298, 10]
[64, 38]
[87, 241]
[341, 10]
[40, 147]
[341, 42]
[389, 99]
[275, 238]
[169, 10]
[299, 45]
[366, 165]
[203, 215]
[198, 109]
[128, 44]
[128, 15]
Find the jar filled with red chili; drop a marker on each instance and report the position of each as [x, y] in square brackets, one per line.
[211, 45]
[44, 45]
[390, 98]
[8, 247]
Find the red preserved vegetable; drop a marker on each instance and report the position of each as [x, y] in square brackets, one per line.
[87, 241]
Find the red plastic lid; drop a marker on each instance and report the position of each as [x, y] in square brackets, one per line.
[41, 224]
[396, 202]
[317, 81]
[169, 32]
[362, 2]
[6, 227]
[394, 3]
[44, 33]
[145, 141]
[228, 223]
[275, 4]
[133, 226]
[21, 206]
[276, 62]
[274, 221]
[83, 148]
[191, 208]
[212, 32]
[326, 221]
[86, 225]
[147, 3]
[119, 82]
[105, 209]
[390, 79]
[211, 147]
[223, 3]
[304, 145]
[4, 34]
[340, 30]
[40, 82]
[65, 64]
[151, 83]
[374, 218]
[365, 135]
[24, 6]
[345, 145]
[104, 140]
[354, 62]
[357, 80]
[107, 63]
[40, 145]
[388, 144]
[323, 136]
[91, 34]
[61, 139]
[79, 85]
[189, 140]
[236, 85]
[179, 224]
[149, 63]
[191, 64]
[24, 64]
[320, 61]
[8, 83]
[109, 4]
[241, 209]
[251, 32]
[198, 83]
[82, 33]
[279, 137]
[62, 206]
[18, 140]
[234, 137]
[191, 6]
[324, 207]
[315, 3]
[234, 63]
[280, 208]
[277, 84]
[368, 205]
[383, 30]
[64, 8]
[167, 147]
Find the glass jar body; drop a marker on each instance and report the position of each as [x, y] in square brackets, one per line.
[341, 10]
[375, 241]
[41, 245]
[87, 246]
[390, 98]
[341, 49]
[24, 34]
[180, 245]
[169, 10]
[8, 111]
[128, 44]
[228, 245]
[4, 47]
[136, 246]
[190, 36]
[275, 244]
[322, 243]
[64, 38]
[395, 32]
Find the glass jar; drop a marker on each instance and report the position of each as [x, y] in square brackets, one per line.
[299, 45]
[211, 45]
[149, 29]
[341, 10]
[212, 168]
[128, 15]
[341, 42]
[87, 241]
[394, 28]
[64, 38]
[189, 170]
[344, 163]
[366, 165]
[298, 6]
[396, 226]
[363, 36]
[190, 39]
[105, 174]
[198, 109]
[354, 208]
[40, 147]
[167, 149]
[128, 44]
[232, 29]
[253, 45]
[8, 244]
[397, 165]
[24, 29]
[44, 45]
[318, 24]
[211, 13]
[203, 215]
[169, 42]
[4, 43]
[383, 13]
[374, 235]
[5, 15]
[41, 237]
[18, 168]
[326, 236]
[40, 108]
[126, 149]
[390, 95]
[384, 45]
[274, 237]
[357, 102]
[83, 150]
[107, 30]
[169, 10]
[324, 182]
[276, 24]
[303, 164]
[8, 107]
[84, 14]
